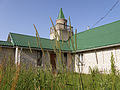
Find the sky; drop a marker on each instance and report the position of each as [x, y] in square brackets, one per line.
[18, 16]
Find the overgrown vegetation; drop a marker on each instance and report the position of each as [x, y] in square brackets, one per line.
[21, 78]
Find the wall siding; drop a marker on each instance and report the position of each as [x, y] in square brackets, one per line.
[7, 53]
[27, 57]
[103, 57]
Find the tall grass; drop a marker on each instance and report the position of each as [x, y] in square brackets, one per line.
[39, 79]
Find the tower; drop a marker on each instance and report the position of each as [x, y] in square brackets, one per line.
[63, 30]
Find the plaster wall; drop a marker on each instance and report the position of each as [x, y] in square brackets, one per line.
[28, 57]
[98, 58]
[62, 21]
[7, 53]
[46, 59]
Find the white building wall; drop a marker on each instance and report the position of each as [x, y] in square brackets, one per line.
[77, 63]
[117, 59]
[89, 59]
[100, 56]
[106, 60]
[100, 59]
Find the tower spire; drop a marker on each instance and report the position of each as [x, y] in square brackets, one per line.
[61, 15]
[63, 30]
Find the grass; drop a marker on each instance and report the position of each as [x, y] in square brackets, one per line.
[22, 78]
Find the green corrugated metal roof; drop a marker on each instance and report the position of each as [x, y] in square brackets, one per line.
[31, 41]
[5, 43]
[61, 15]
[105, 35]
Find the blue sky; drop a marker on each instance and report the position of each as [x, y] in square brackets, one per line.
[18, 16]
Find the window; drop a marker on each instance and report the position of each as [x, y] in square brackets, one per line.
[64, 25]
[65, 58]
[39, 58]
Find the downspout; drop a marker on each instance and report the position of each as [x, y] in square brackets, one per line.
[17, 56]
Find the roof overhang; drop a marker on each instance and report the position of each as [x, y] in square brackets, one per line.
[45, 49]
[103, 47]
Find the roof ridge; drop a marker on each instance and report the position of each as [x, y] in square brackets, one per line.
[99, 26]
[28, 35]
[33, 36]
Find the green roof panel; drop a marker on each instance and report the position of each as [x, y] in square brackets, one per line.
[31, 41]
[98, 37]
[61, 15]
[105, 35]
[5, 43]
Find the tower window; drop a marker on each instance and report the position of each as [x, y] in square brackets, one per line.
[64, 25]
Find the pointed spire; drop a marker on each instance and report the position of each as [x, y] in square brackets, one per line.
[61, 15]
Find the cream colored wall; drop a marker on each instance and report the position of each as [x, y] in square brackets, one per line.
[77, 67]
[102, 56]
[52, 36]
[62, 21]
[117, 58]
[64, 35]
[61, 30]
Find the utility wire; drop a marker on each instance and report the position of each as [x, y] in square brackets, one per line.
[106, 13]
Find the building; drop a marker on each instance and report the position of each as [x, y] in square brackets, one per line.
[91, 48]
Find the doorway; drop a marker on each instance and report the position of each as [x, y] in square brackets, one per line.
[53, 61]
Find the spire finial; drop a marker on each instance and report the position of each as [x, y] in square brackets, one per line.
[61, 15]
